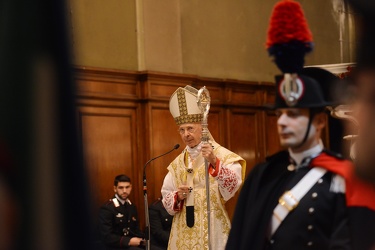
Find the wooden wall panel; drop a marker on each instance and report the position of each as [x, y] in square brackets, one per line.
[243, 139]
[110, 88]
[244, 135]
[162, 90]
[110, 147]
[164, 136]
[243, 95]
[216, 126]
[271, 139]
[107, 84]
[158, 85]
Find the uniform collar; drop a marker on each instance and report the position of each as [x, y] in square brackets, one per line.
[121, 200]
[300, 158]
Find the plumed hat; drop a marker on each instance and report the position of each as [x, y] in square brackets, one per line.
[328, 82]
[305, 92]
[183, 106]
[289, 39]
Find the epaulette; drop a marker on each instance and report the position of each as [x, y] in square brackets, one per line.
[116, 202]
[157, 201]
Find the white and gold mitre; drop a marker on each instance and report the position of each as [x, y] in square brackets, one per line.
[183, 106]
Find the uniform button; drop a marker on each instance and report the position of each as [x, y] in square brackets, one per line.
[309, 244]
[311, 210]
[166, 219]
[291, 167]
[272, 241]
[314, 195]
[320, 181]
[310, 227]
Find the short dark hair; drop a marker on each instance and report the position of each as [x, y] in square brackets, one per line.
[121, 178]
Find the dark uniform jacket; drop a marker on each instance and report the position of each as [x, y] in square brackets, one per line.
[118, 224]
[320, 221]
[160, 223]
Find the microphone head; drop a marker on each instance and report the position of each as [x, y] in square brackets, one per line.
[176, 146]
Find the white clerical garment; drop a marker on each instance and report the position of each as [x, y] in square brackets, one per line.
[224, 182]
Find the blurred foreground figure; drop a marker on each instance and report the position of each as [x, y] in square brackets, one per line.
[364, 81]
[364, 112]
[43, 187]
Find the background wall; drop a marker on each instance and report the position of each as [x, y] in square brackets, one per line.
[211, 38]
[104, 33]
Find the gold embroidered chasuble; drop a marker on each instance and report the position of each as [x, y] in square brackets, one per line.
[196, 238]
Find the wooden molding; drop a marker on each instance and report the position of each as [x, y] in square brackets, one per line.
[122, 85]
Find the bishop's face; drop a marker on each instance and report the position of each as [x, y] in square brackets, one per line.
[191, 133]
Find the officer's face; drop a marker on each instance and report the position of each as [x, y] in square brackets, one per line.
[191, 133]
[292, 124]
[123, 189]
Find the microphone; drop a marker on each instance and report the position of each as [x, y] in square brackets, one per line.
[147, 219]
[144, 168]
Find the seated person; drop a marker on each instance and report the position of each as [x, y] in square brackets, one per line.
[118, 219]
[160, 224]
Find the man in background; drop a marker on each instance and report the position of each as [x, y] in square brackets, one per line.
[118, 219]
[160, 224]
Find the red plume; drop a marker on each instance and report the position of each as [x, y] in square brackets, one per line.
[287, 24]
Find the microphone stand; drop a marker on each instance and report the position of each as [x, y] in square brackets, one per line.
[147, 219]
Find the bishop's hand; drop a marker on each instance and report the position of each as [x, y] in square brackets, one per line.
[208, 153]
